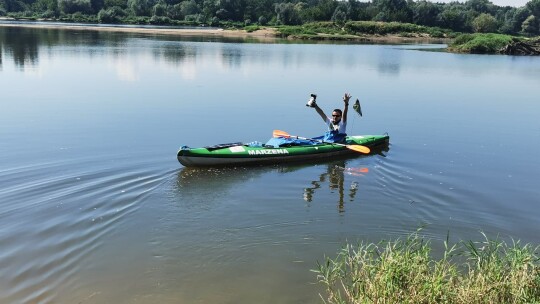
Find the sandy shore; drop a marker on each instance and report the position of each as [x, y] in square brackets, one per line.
[265, 33]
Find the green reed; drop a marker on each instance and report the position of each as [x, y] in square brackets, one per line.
[404, 271]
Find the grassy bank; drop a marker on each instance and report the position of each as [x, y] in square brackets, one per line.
[360, 29]
[404, 271]
[495, 44]
[480, 43]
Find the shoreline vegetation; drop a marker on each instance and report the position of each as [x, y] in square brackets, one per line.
[404, 271]
[353, 31]
[360, 31]
[376, 21]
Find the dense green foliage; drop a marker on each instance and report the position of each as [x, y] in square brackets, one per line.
[470, 16]
[383, 28]
[404, 271]
[480, 43]
[359, 28]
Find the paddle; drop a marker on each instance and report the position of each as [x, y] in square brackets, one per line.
[357, 148]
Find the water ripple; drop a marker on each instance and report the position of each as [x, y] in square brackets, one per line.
[58, 216]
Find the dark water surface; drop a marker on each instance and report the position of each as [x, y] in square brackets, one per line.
[94, 207]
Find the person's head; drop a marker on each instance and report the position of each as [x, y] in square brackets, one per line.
[336, 116]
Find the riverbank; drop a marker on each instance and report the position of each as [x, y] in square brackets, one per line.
[260, 33]
[357, 32]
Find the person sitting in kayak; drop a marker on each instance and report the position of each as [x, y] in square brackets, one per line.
[337, 125]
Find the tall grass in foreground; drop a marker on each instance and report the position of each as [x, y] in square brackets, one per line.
[403, 271]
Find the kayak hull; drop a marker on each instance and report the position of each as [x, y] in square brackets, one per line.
[241, 155]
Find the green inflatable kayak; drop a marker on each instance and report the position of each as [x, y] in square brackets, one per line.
[239, 154]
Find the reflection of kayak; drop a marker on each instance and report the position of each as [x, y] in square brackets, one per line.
[238, 154]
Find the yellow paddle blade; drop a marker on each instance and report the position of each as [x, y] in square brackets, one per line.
[358, 148]
[279, 133]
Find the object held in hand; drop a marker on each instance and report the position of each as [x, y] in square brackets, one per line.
[311, 102]
[357, 107]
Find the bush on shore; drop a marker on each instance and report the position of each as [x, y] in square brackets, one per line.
[385, 28]
[359, 28]
[480, 43]
[403, 271]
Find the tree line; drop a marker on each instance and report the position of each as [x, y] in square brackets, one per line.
[469, 16]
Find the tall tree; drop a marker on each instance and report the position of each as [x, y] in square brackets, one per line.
[74, 6]
[484, 23]
[479, 6]
[367, 11]
[231, 9]
[354, 9]
[507, 23]
[342, 13]
[13, 6]
[530, 25]
[138, 7]
[287, 14]
[454, 17]
[425, 13]
[519, 16]
[324, 10]
[534, 7]
[393, 10]
[160, 9]
[209, 8]
[45, 5]
[97, 5]
[189, 7]
[262, 8]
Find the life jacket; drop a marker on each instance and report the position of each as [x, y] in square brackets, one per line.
[334, 137]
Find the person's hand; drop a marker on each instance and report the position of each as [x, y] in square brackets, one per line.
[346, 98]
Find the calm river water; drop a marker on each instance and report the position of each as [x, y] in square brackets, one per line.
[95, 208]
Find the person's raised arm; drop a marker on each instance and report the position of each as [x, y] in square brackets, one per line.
[320, 111]
[346, 98]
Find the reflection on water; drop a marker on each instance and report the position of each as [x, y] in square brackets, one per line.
[24, 46]
[390, 65]
[205, 187]
[334, 177]
[23, 49]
